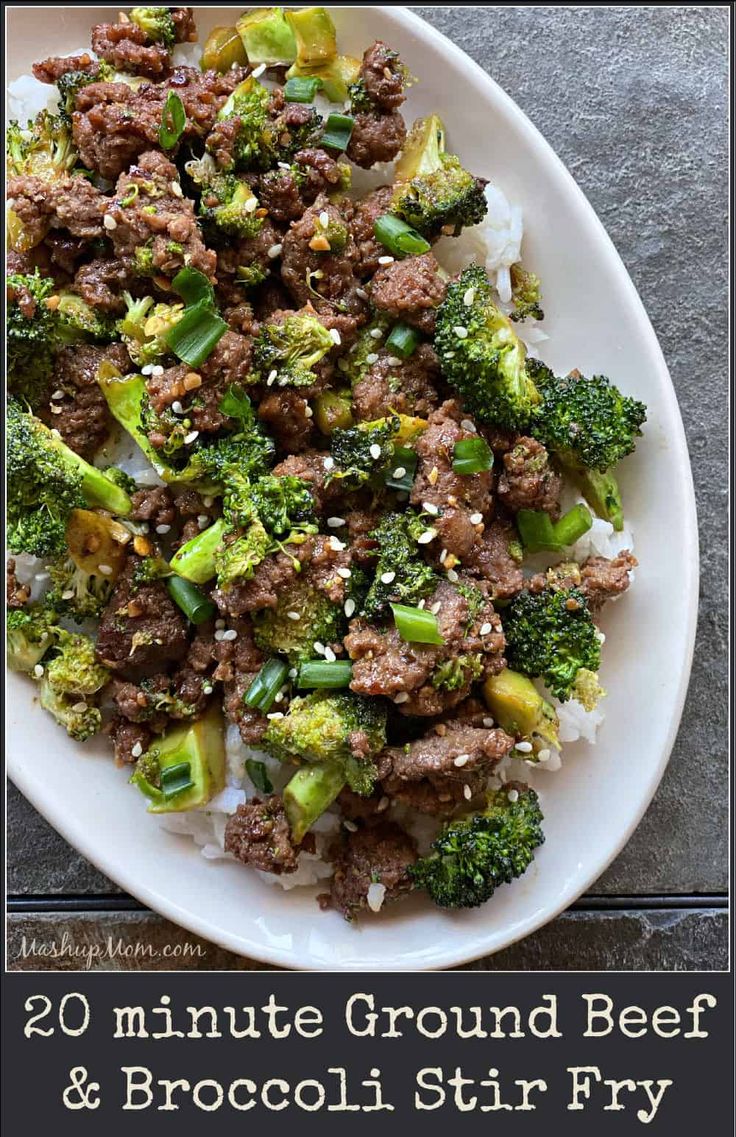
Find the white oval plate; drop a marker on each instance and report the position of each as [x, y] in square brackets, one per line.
[594, 803]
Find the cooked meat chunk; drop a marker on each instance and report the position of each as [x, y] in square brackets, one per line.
[129, 739]
[376, 138]
[78, 409]
[152, 225]
[410, 290]
[64, 252]
[405, 386]
[314, 559]
[69, 203]
[101, 284]
[126, 48]
[258, 834]
[379, 854]
[52, 69]
[286, 193]
[249, 254]
[288, 417]
[306, 250]
[238, 663]
[528, 481]
[353, 807]
[603, 579]
[155, 505]
[141, 630]
[383, 76]
[201, 391]
[365, 213]
[491, 560]
[16, 594]
[310, 466]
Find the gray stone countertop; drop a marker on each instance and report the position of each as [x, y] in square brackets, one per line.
[634, 100]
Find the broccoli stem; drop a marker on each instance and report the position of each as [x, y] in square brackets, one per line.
[125, 396]
[98, 490]
[602, 494]
[309, 793]
[195, 560]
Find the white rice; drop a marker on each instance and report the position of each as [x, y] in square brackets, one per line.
[495, 243]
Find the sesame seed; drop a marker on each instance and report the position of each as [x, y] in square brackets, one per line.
[350, 826]
[388, 577]
[376, 333]
[543, 755]
[38, 670]
[207, 501]
[324, 219]
[435, 607]
[330, 655]
[335, 522]
[283, 165]
[384, 803]
[293, 615]
[524, 747]
[430, 507]
[400, 472]
[329, 463]
[176, 189]
[163, 529]
[203, 521]
[349, 607]
[275, 715]
[189, 438]
[449, 355]
[476, 518]
[207, 688]
[421, 603]
[293, 672]
[336, 544]
[109, 222]
[443, 556]
[308, 412]
[372, 357]
[469, 297]
[335, 336]
[513, 795]
[273, 252]
[177, 408]
[58, 395]
[106, 570]
[375, 451]
[55, 410]
[488, 723]
[345, 573]
[467, 793]
[486, 629]
[427, 536]
[67, 594]
[393, 361]
[467, 424]
[319, 647]
[157, 369]
[361, 292]
[461, 760]
[385, 260]
[402, 697]
[251, 205]
[219, 635]
[452, 576]
[460, 332]
[147, 369]
[230, 634]
[80, 706]
[258, 71]
[136, 750]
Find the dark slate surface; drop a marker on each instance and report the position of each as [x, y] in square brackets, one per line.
[634, 101]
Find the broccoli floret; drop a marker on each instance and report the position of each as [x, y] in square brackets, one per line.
[481, 354]
[256, 143]
[360, 100]
[46, 481]
[157, 23]
[72, 82]
[526, 293]
[286, 354]
[453, 674]
[80, 719]
[433, 192]
[77, 593]
[356, 364]
[31, 331]
[143, 327]
[71, 682]
[551, 635]
[120, 478]
[77, 320]
[228, 206]
[250, 276]
[361, 453]
[320, 621]
[43, 150]
[143, 261]
[284, 504]
[29, 635]
[398, 553]
[320, 727]
[476, 853]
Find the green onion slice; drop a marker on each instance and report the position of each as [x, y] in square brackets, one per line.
[176, 779]
[194, 287]
[416, 625]
[196, 333]
[538, 532]
[398, 237]
[301, 89]
[258, 774]
[194, 604]
[266, 685]
[471, 456]
[323, 673]
[573, 524]
[173, 121]
[338, 129]
[403, 340]
[404, 459]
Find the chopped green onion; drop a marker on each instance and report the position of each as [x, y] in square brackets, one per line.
[193, 337]
[194, 604]
[173, 121]
[323, 673]
[301, 89]
[193, 286]
[403, 340]
[471, 456]
[176, 779]
[538, 532]
[416, 625]
[398, 237]
[338, 129]
[404, 458]
[259, 775]
[266, 685]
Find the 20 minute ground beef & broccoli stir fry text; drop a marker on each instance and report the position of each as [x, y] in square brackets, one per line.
[350, 591]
